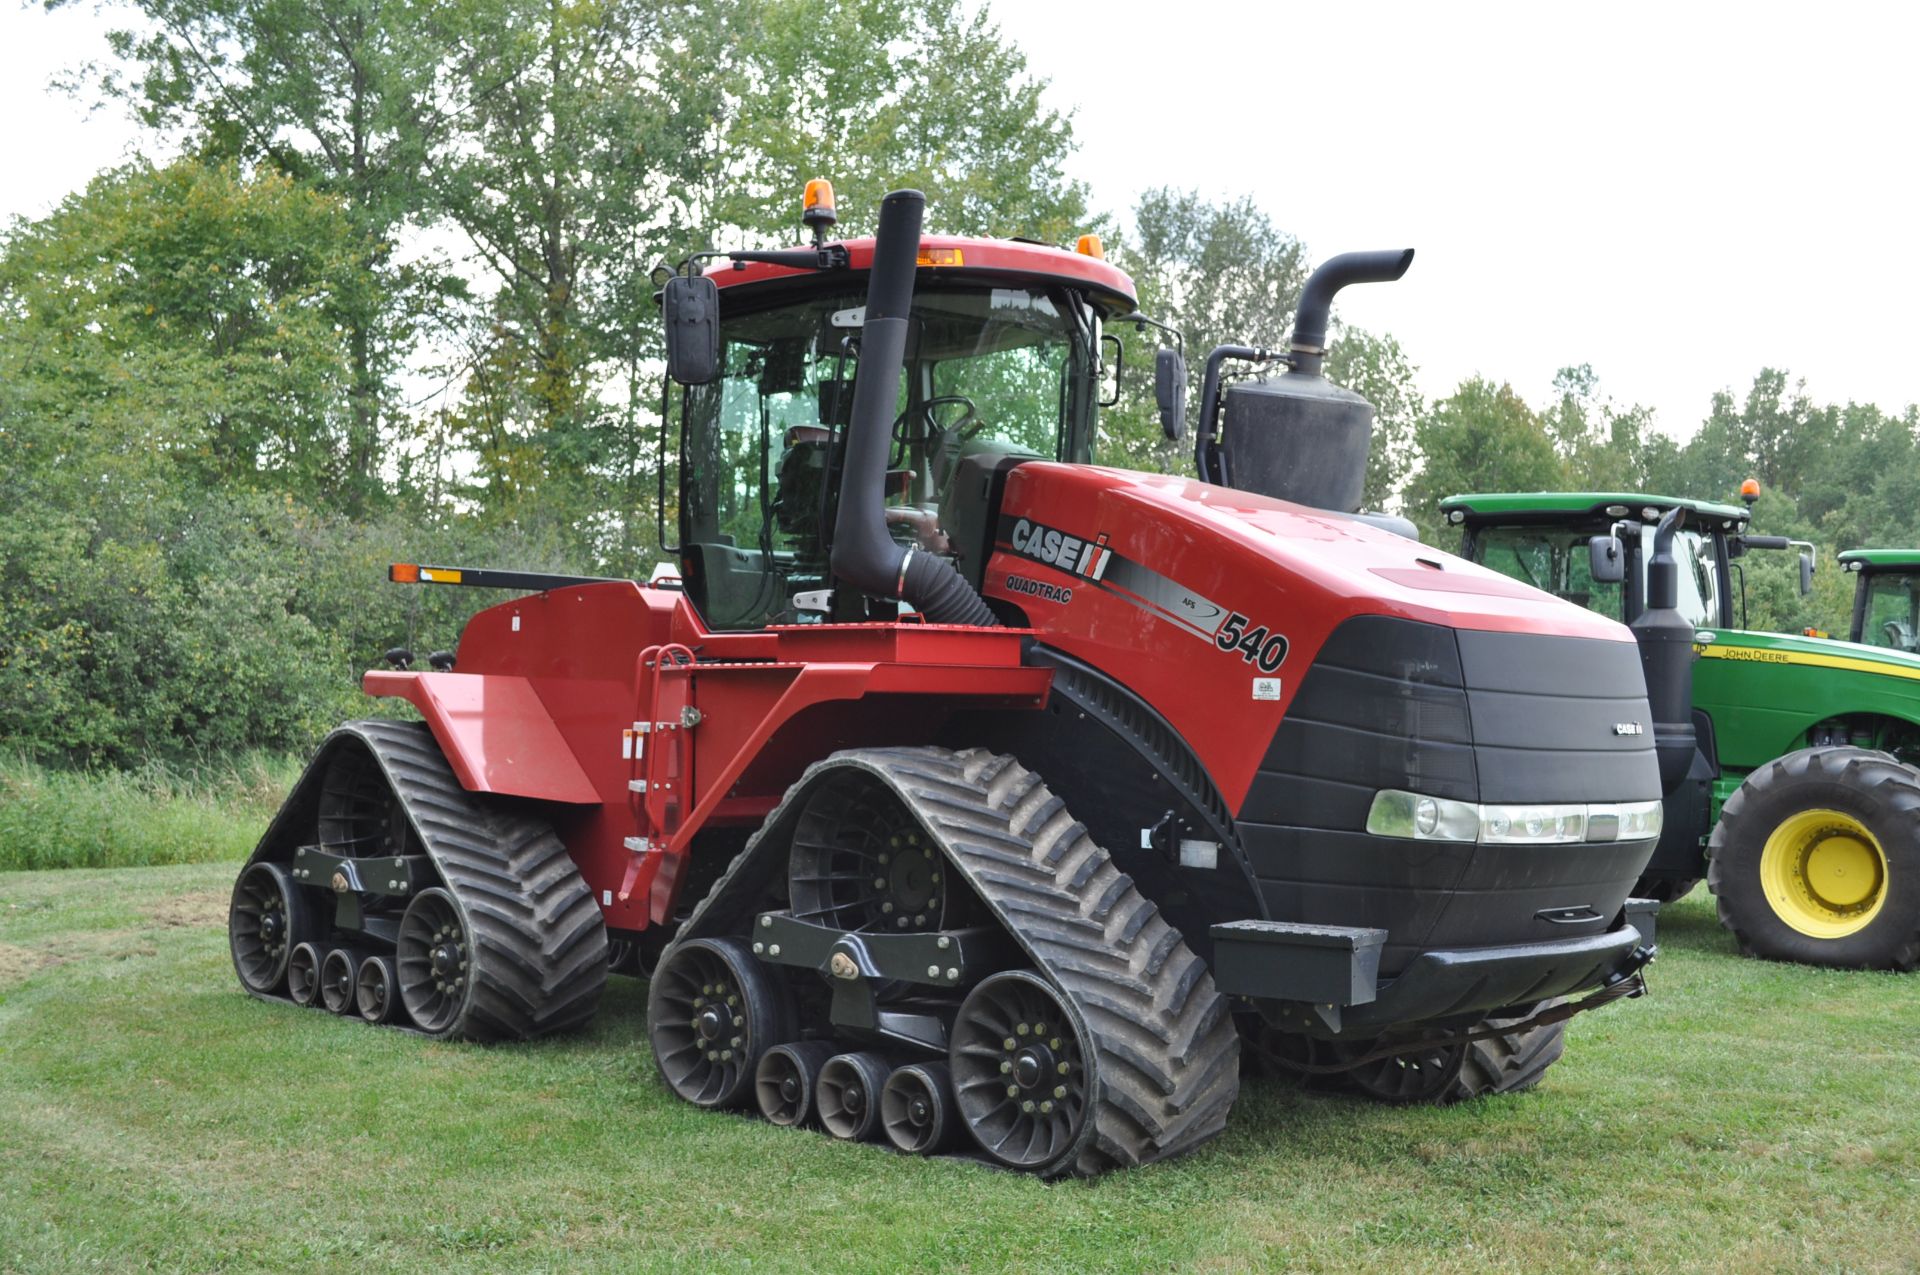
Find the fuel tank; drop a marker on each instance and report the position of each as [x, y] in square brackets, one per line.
[1311, 663]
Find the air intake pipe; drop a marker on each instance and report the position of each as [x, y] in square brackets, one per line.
[1666, 657]
[864, 554]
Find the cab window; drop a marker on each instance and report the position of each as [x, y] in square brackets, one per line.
[1551, 559]
[1893, 613]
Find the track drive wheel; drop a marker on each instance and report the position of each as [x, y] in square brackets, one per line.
[1817, 859]
[1022, 1070]
[712, 1010]
[266, 918]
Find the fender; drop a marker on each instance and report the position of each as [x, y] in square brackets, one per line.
[497, 735]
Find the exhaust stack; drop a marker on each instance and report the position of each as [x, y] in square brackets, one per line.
[864, 554]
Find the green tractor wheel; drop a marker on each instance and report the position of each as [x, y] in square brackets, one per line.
[1816, 859]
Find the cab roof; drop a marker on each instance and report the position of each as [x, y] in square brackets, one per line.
[959, 258]
[1558, 506]
[1880, 560]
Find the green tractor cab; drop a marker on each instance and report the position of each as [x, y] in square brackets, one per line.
[1886, 597]
[1788, 760]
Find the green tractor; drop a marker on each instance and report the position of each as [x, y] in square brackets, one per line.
[1788, 761]
[1886, 597]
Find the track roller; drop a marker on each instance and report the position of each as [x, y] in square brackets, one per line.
[712, 1010]
[848, 1095]
[373, 990]
[916, 1108]
[783, 1082]
[303, 974]
[337, 971]
[267, 916]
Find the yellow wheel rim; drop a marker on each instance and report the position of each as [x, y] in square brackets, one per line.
[1824, 874]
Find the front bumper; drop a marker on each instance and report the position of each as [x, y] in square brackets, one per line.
[1323, 979]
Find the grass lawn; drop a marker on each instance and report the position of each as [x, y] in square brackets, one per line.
[1745, 1117]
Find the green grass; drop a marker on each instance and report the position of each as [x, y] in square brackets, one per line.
[1745, 1117]
[117, 819]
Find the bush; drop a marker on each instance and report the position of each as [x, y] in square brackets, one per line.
[122, 819]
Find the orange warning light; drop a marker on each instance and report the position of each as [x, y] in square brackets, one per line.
[1090, 246]
[1750, 490]
[819, 195]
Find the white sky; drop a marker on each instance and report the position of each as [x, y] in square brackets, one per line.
[1678, 194]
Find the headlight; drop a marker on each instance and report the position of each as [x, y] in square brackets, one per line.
[1422, 818]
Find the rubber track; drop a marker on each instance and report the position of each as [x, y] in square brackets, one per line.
[1167, 1065]
[1507, 1064]
[539, 942]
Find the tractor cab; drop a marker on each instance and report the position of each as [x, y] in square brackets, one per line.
[1886, 597]
[1002, 365]
[1592, 549]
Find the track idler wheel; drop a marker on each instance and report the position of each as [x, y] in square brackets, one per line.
[1021, 1070]
[374, 988]
[337, 971]
[916, 1108]
[1420, 1075]
[266, 918]
[303, 974]
[783, 1082]
[848, 1095]
[434, 956]
[712, 1010]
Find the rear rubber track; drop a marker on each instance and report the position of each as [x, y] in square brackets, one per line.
[1166, 1049]
[539, 944]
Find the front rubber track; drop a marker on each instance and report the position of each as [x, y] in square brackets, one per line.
[538, 940]
[1166, 1055]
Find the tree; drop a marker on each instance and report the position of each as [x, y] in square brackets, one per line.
[1482, 437]
[1223, 273]
[339, 94]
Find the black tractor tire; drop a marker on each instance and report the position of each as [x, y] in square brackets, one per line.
[1867, 792]
[1664, 890]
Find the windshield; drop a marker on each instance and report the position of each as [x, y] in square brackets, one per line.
[987, 369]
[1892, 616]
[1556, 559]
[1549, 558]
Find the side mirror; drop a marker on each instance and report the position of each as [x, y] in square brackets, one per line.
[1111, 395]
[1806, 572]
[1606, 563]
[1170, 392]
[690, 307]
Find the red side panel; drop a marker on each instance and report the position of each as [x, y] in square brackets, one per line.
[495, 731]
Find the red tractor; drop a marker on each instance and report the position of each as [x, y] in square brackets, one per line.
[964, 793]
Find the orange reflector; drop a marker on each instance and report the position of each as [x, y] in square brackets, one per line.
[819, 195]
[439, 575]
[1750, 489]
[1090, 246]
[940, 257]
[404, 573]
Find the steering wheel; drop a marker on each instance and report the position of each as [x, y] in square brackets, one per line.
[1899, 636]
[966, 427]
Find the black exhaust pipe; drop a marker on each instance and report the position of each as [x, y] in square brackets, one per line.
[864, 554]
[1309, 347]
[1666, 657]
